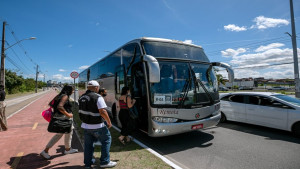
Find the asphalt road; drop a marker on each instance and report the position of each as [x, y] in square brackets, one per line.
[230, 145]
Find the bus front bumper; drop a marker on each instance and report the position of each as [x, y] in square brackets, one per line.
[166, 129]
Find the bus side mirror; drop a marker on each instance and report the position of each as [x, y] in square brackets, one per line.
[228, 69]
[153, 66]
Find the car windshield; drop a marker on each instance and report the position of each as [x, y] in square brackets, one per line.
[195, 83]
[288, 99]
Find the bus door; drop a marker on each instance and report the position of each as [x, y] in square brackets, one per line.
[139, 93]
[120, 80]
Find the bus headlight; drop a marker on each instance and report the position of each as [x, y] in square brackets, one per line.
[164, 119]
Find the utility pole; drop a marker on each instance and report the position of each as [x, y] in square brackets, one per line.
[2, 73]
[44, 81]
[36, 78]
[295, 54]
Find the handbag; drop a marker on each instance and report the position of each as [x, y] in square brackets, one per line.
[133, 113]
[47, 114]
[59, 125]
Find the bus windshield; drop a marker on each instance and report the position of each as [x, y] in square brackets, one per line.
[174, 50]
[184, 85]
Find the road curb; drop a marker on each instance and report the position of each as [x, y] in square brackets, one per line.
[173, 165]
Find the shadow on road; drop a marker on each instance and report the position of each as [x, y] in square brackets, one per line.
[268, 133]
[176, 143]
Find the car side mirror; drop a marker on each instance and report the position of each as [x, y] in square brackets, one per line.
[154, 70]
[228, 69]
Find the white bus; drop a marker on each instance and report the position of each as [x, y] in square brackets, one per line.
[173, 82]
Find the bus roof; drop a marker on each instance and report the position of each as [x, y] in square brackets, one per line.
[153, 39]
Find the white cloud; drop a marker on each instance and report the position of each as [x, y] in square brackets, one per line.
[268, 61]
[83, 67]
[62, 70]
[264, 23]
[188, 41]
[60, 77]
[234, 28]
[231, 52]
[270, 46]
[41, 76]
[289, 73]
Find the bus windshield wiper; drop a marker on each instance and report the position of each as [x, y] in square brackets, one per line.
[202, 85]
[186, 87]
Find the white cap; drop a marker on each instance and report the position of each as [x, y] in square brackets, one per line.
[93, 83]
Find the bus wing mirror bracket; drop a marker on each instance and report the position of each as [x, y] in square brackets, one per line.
[228, 69]
[153, 66]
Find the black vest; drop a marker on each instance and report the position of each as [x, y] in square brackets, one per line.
[88, 110]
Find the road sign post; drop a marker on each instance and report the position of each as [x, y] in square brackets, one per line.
[74, 75]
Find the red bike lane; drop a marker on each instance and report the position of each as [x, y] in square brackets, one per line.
[27, 136]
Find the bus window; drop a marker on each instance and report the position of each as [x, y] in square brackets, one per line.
[120, 79]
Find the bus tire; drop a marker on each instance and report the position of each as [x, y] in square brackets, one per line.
[296, 129]
[223, 118]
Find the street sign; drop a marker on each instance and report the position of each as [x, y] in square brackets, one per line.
[74, 75]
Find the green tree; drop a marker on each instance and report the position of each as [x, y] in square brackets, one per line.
[30, 84]
[12, 81]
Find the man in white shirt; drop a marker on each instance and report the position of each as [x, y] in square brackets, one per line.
[93, 114]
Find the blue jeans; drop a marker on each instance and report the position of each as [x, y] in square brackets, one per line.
[91, 136]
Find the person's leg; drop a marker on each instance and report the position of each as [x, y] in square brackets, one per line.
[53, 141]
[68, 140]
[50, 144]
[123, 119]
[88, 147]
[105, 139]
[3, 122]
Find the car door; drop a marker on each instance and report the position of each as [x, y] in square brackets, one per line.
[233, 106]
[267, 112]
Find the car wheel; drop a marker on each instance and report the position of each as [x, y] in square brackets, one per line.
[223, 117]
[296, 129]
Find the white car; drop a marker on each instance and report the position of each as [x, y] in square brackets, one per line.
[262, 108]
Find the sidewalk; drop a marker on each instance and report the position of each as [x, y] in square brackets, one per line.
[27, 136]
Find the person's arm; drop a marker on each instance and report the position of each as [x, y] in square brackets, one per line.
[61, 108]
[103, 113]
[130, 102]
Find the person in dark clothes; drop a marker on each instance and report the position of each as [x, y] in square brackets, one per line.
[125, 102]
[3, 122]
[64, 110]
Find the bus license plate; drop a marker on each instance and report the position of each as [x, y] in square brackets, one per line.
[197, 126]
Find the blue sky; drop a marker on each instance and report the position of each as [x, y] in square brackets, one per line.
[73, 34]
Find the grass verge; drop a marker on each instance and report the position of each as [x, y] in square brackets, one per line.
[10, 96]
[128, 156]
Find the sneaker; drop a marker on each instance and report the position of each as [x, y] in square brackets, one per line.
[45, 155]
[109, 165]
[71, 151]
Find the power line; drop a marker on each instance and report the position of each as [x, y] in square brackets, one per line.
[20, 45]
[278, 64]
[212, 53]
[284, 39]
[14, 63]
[18, 58]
